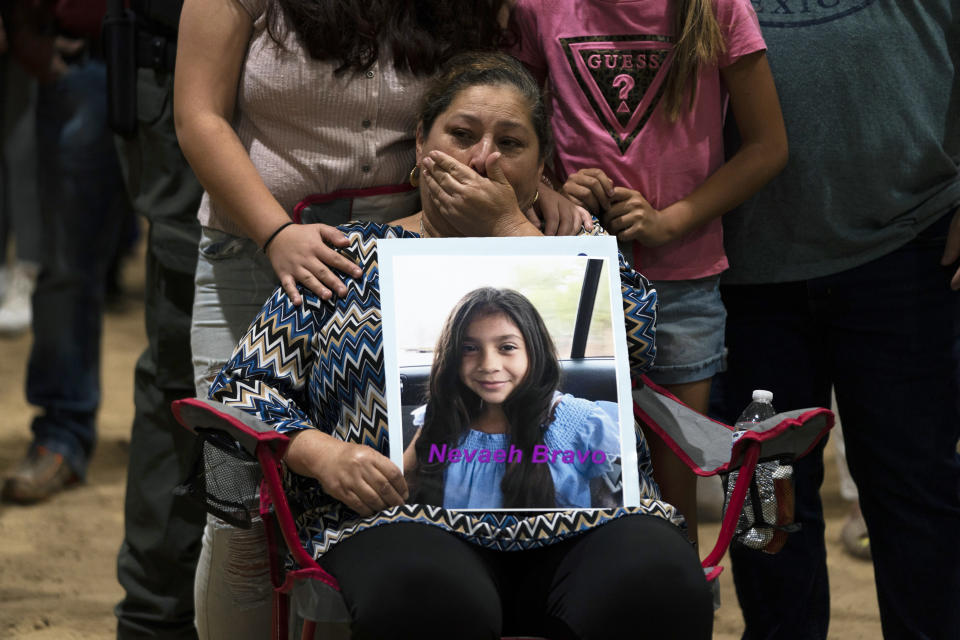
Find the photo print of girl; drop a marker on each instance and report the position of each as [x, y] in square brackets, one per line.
[496, 432]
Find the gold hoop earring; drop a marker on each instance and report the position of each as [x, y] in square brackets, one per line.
[536, 196]
[414, 176]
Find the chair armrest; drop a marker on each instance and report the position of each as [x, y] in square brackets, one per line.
[248, 430]
[705, 444]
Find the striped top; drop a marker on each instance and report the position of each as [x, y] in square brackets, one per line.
[308, 131]
[320, 366]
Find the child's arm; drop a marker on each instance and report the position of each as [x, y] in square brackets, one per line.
[762, 155]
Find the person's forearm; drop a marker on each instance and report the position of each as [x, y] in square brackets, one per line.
[763, 152]
[224, 169]
[753, 166]
[211, 49]
[305, 449]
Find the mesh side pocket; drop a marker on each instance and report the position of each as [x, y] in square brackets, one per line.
[768, 511]
[225, 479]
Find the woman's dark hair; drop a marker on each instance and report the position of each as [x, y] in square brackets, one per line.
[419, 34]
[452, 407]
[482, 68]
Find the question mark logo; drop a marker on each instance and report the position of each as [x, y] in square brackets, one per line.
[626, 83]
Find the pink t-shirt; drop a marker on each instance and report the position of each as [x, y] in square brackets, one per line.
[606, 62]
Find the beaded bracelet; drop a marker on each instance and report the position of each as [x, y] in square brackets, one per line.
[273, 235]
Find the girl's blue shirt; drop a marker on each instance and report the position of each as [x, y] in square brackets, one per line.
[579, 426]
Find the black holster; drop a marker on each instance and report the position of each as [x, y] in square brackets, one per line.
[120, 53]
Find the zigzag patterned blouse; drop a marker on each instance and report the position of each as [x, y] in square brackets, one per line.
[320, 366]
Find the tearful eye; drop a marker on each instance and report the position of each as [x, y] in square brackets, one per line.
[462, 135]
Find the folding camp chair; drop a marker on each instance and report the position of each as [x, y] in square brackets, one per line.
[703, 444]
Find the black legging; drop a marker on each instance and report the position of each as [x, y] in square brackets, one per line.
[636, 577]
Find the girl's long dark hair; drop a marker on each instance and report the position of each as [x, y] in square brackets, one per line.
[452, 407]
[419, 34]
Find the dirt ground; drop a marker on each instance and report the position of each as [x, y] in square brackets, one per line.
[57, 560]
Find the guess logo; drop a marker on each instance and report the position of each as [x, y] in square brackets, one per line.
[621, 77]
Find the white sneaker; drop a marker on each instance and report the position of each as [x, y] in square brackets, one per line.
[15, 311]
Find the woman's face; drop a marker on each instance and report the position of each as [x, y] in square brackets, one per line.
[493, 360]
[481, 120]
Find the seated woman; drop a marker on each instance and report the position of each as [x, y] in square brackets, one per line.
[494, 388]
[315, 372]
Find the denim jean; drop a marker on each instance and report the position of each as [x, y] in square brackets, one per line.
[19, 203]
[233, 281]
[881, 334]
[82, 201]
[232, 590]
[690, 328]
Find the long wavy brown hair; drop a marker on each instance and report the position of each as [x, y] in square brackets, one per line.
[419, 35]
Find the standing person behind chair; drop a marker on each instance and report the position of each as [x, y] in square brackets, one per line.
[19, 196]
[82, 202]
[157, 560]
[839, 277]
[277, 100]
[645, 84]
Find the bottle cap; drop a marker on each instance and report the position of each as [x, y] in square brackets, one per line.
[762, 395]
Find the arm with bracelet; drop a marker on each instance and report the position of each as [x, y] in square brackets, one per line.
[213, 42]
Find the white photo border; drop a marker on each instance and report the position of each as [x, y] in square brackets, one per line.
[603, 247]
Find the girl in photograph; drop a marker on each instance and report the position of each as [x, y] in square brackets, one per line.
[494, 405]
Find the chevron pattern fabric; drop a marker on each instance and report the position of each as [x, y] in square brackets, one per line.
[320, 366]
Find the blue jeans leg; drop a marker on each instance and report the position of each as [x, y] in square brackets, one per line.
[882, 335]
[81, 201]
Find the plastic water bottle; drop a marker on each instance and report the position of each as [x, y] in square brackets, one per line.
[759, 409]
[757, 528]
